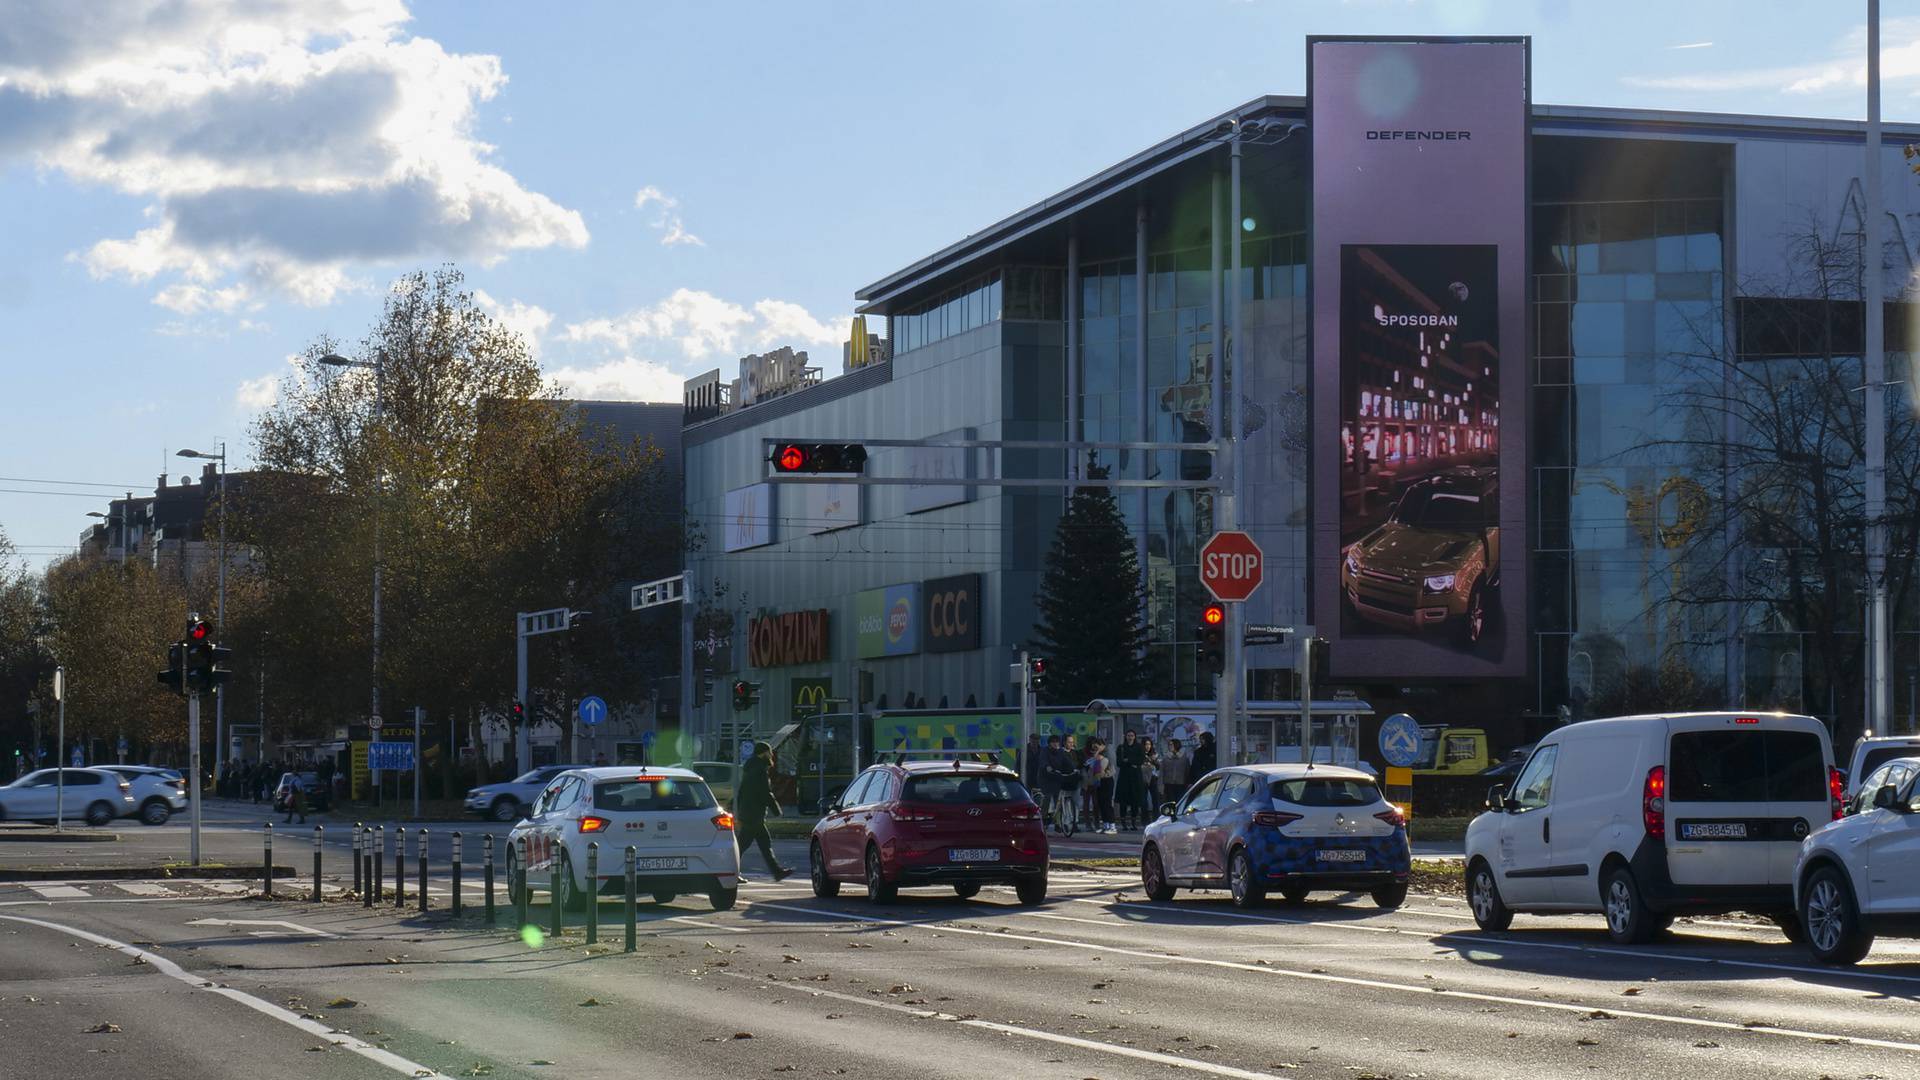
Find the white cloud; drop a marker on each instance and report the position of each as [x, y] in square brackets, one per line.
[625, 379]
[530, 321]
[704, 325]
[1846, 66]
[257, 394]
[279, 143]
[672, 229]
[1693, 45]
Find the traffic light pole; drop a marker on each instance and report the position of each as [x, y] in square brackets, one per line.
[522, 742]
[193, 772]
[1028, 706]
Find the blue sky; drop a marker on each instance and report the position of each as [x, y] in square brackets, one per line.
[189, 192]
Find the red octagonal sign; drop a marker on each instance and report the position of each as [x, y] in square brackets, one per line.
[1230, 565]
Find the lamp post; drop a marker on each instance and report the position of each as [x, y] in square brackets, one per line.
[220, 611]
[379, 366]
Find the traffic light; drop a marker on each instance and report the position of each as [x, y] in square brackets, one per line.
[745, 695]
[1213, 636]
[199, 659]
[519, 713]
[1036, 673]
[847, 458]
[175, 677]
[218, 657]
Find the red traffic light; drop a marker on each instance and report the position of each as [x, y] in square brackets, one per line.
[197, 631]
[791, 458]
[1213, 614]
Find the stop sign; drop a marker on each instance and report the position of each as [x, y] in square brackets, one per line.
[1230, 565]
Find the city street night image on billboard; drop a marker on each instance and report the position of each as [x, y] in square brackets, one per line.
[1419, 443]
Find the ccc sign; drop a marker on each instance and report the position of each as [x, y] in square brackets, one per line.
[953, 614]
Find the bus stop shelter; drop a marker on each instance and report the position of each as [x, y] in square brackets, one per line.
[1273, 727]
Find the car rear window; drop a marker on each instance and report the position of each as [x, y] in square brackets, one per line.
[660, 794]
[1325, 792]
[1747, 766]
[1881, 755]
[960, 789]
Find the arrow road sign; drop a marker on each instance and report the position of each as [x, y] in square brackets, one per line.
[592, 710]
[1400, 740]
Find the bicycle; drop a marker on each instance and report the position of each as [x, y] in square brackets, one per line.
[1066, 811]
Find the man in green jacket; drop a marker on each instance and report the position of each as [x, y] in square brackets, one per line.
[753, 801]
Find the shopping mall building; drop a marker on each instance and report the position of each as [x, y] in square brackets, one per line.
[1498, 418]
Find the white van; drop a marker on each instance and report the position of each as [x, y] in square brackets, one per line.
[1646, 817]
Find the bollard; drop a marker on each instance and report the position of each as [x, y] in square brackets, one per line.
[423, 871]
[518, 886]
[379, 863]
[488, 847]
[632, 900]
[456, 875]
[319, 831]
[359, 849]
[400, 867]
[364, 863]
[268, 867]
[593, 891]
[556, 915]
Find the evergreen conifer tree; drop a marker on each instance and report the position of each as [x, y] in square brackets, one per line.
[1092, 627]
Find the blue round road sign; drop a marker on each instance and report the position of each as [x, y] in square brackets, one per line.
[1400, 740]
[592, 710]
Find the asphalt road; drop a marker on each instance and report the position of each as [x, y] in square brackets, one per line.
[1095, 983]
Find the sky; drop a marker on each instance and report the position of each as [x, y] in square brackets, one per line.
[191, 191]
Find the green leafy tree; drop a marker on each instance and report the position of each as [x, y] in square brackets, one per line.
[1091, 625]
[23, 655]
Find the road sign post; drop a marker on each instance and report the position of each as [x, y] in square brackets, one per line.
[1232, 567]
[59, 773]
[1400, 747]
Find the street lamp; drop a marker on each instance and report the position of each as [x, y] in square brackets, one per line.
[379, 366]
[220, 612]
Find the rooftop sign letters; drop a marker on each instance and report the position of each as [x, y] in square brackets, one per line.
[790, 637]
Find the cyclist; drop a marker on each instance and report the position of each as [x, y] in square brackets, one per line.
[1062, 778]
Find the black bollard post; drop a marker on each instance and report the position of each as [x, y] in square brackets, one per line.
[319, 831]
[423, 871]
[359, 849]
[593, 891]
[456, 875]
[487, 847]
[633, 903]
[379, 864]
[400, 867]
[555, 915]
[364, 862]
[267, 869]
[519, 884]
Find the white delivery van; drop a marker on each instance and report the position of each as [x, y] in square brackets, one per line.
[1643, 818]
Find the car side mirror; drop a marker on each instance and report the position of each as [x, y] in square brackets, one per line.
[1167, 809]
[1497, 798]
[834, 808]
[1883, 798]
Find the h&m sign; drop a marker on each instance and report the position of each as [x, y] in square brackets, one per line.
[790, 637]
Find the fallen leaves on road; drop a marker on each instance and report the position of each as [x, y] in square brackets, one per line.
[104, 1028]
[1586, 1042]
[858, 945]
[478, 1069]
[1599, 1014]
[342, 1003]
[590, 1003]
[743, 1034]
[789, 958]
[902, 988]
[1706, 1044]
[1631, 991]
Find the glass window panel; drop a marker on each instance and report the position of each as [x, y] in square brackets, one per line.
[1586, 238]
[1599, 369]
[1599, 328]
[1552, 489]
[1110, 293]
[995, 300]
[1552, 427]
[1703, 251]
[1627, 238]
[1552, 321]
[1639, 328]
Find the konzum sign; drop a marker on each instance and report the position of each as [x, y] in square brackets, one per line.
[790, 637]
[952, 614]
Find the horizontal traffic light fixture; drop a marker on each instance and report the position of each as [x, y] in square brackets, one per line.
[812, 458]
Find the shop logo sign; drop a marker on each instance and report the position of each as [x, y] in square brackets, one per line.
[791, 637]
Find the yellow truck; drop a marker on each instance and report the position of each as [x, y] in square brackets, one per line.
[1452, 751]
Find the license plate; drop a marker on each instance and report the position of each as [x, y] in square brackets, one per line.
[973, 854]
[1341, 855]
[1715, 830]
[661, 863]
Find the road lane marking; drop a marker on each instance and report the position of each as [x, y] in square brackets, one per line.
[58, 892]
[1427, 990]
[1010, 1029]
[118, 900]
[143, 888]
[266, 1008]
[295, 928]
[709, 925]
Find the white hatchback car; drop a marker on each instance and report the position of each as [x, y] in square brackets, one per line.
[95, 795]
[1860, 876]
[683, 838]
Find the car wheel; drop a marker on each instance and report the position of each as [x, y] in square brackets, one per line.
[513, 878]
[966, 890]
[1483, 896]
[723, 898]
[1247, 891]
[1390, 896]
[878, 890]
[1789, 924]
[155, 812]
[1628, 920]
[1474, 623]
[505, 808]
[662, 897]
[1031, 890]
[824, 887]
[1153, 875]
[1834, 933]
[99, 814]
[570, 897]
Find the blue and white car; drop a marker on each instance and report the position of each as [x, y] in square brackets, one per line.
[510, 799]
[1286, 828]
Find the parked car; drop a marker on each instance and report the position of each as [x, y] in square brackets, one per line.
[510, 799]
[93, 795]
[1860, 876]
[1871, 752]
[1646, 817]
[158, 794]
[685, 839]
[1435, 562]
[1287, 828]
[318, 797]
[941, 822]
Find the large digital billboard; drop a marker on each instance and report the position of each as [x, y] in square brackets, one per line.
[1417, 262]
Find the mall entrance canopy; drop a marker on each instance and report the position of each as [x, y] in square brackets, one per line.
[1273, 727]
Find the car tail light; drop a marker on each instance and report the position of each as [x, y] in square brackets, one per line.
[1746, 720]
[1836, 792]
[1653, 802]
[593, 824]
[1274, 817]
[1026, 813]
[912, 813]
[1392, 817]
[723, 821]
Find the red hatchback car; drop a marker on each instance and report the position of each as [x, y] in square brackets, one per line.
[959, 823]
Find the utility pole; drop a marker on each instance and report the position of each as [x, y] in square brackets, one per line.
[1873, 271]
[1233, 683]
[419, 720]
[193, 771]
[59, 761]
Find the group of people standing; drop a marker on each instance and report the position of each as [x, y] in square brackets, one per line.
[1116, 787]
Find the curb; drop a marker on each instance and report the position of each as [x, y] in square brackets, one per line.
[40, 836]
[118, 873]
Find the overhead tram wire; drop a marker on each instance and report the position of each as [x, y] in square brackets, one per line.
[67, 483]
